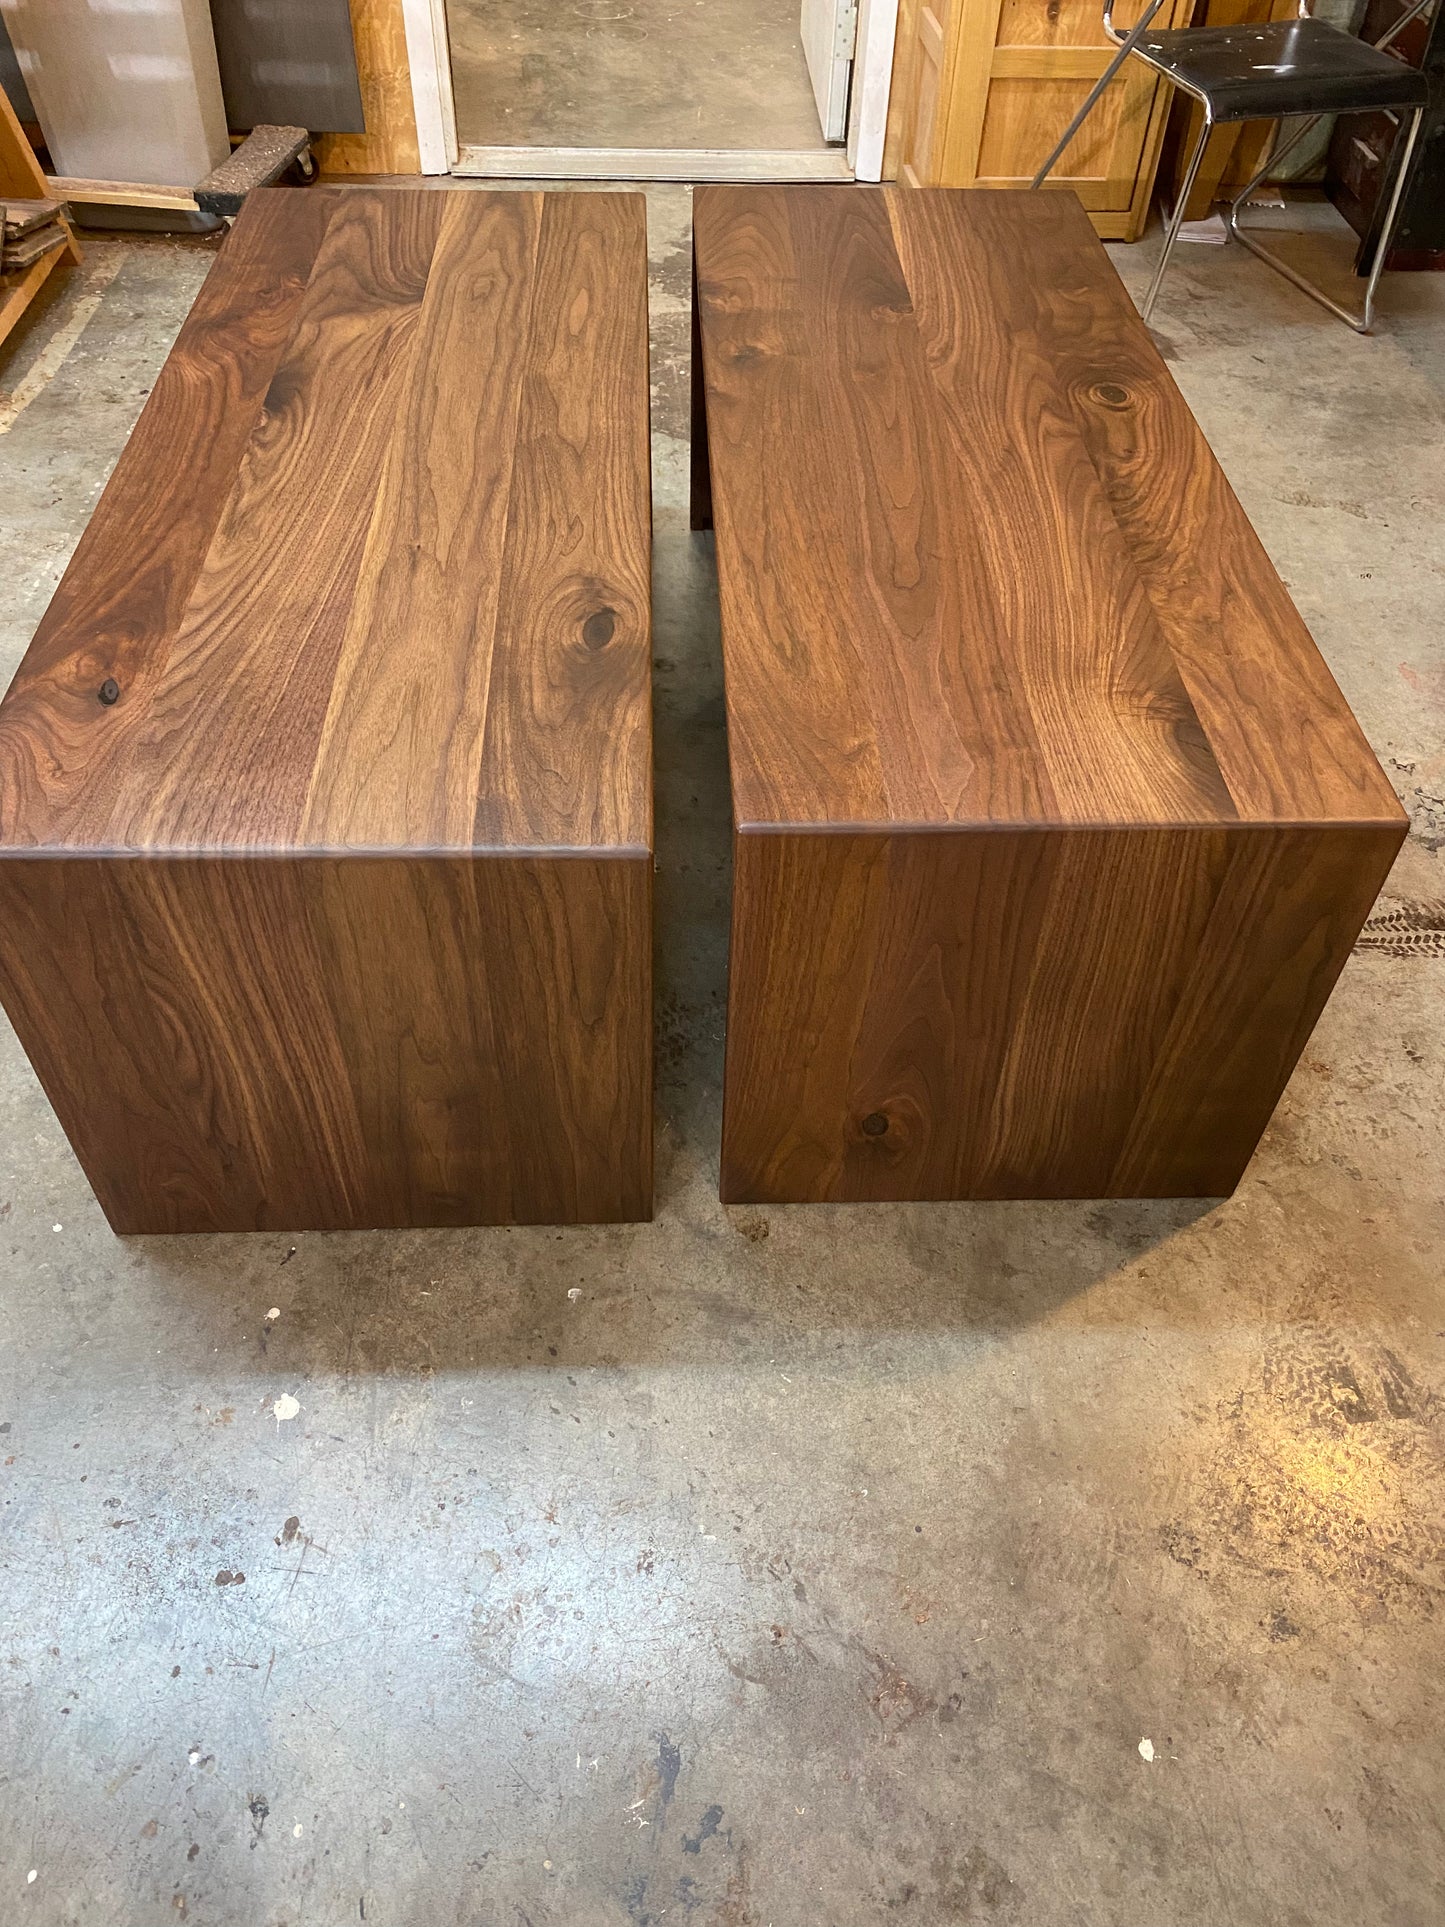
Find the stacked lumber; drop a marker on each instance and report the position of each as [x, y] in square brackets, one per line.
[31, 229]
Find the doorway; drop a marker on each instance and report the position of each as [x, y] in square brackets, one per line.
[668, 89]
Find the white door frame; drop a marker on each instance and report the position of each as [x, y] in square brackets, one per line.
[872, 82]
[429, 57]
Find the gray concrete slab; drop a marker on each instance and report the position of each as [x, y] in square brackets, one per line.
[768, 1566]
[631, 73]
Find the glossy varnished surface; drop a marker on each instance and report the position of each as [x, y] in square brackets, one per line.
[325, 786]
[1045, 1014]
[1052, 829]
[977, 562]
[373, 571]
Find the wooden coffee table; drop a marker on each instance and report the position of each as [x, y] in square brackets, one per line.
[325, 786]
[1052, 830]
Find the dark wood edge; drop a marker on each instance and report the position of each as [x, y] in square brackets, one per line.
[700, 501]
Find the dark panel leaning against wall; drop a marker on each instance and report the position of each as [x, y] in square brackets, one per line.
[288, 63]
[12, 81]
[1363, 153]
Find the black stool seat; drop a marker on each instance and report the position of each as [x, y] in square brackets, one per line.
[1282, 67]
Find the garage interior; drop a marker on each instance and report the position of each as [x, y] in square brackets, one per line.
[1066, 1563]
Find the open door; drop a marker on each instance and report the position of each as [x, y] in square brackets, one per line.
[829, 29]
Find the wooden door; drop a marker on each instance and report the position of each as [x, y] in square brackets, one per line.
[987, 87]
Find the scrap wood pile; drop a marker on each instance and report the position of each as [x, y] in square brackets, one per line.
[32, 228]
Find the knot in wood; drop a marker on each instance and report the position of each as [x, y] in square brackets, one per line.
[599, 628]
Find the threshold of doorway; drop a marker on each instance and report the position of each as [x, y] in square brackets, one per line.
[653, 164]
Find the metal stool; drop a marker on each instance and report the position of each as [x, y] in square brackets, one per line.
[1266, 72]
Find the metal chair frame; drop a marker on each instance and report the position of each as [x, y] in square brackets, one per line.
[1128, 43]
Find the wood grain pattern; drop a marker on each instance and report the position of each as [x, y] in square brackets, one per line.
[339, 912]
[120, 603]
[1026, 1014]
[568, 697]
[245, 1043]
[1053, 830]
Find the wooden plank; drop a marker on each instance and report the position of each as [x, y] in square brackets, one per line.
[1052, 830]
[18, 291]
[1279, 729]
[416, 658]
[1079, 637]
[22, 253]
[902, 86]
[225, 754]
[762, 408]
[86, 193]
[121, 600]
[571, 692]
[653, 164]
[23, 216]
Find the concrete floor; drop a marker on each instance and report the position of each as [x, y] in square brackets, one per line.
[815, 1567]
[631, 73]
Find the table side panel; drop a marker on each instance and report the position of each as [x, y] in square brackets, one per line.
[1280, 931]
[271, 1044]
[1030, 1014]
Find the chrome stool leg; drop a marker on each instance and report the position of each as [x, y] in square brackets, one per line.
[1171, 233]
[1361, 323]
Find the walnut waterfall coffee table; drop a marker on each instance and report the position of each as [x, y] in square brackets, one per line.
[1052, 829]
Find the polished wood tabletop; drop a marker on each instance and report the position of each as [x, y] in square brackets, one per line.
[977, 561]
[1052, 828]
[373, 570]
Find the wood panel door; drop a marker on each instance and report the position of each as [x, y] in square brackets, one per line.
[987, 86]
